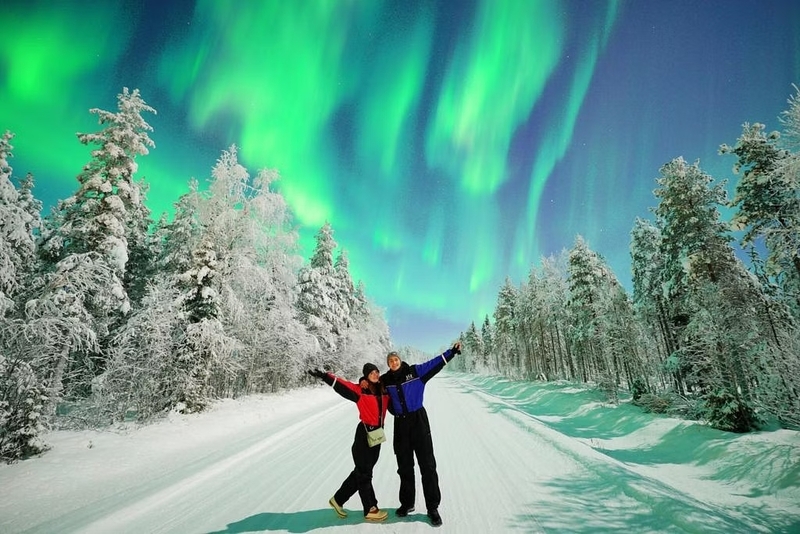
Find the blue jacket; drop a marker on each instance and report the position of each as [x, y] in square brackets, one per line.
[406, 386]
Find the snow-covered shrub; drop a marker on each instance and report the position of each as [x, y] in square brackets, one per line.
[22, 402]
[652, 403]
[726, 411]
[138, 382]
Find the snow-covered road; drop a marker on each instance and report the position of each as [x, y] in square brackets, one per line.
[272, 465]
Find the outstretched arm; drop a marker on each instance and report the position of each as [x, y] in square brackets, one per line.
[346, 389]
[428, 370]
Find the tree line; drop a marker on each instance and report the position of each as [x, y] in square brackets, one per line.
[109, 315]
[703, 335]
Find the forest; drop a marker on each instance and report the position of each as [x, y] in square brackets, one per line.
[108, 314]
[704, 335]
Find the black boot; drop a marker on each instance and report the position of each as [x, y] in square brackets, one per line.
[436, 519]
[404, 510]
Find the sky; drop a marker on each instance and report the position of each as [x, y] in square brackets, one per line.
[449, 144]
[511, 457]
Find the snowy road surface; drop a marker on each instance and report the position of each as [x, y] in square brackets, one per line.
[274, 468]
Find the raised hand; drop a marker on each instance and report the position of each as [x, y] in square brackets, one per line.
[316, 373]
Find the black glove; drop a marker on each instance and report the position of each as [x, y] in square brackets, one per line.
[457, 348]
[316, 373]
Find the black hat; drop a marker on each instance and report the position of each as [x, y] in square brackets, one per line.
[368, 368]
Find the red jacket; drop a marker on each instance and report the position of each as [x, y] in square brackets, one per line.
[372, 405]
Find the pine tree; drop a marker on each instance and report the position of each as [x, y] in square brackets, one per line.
[592, 286]
[17, 224]
[85, 250]
[22, 402]
[768, 201]
[143, 376]
[179, 237]
[205, 342]
[473, 345]
[108, 207]
[554, 295]
[345, 289]
[505, 322]
[702, 274]
[319, 300]
[647, 267]
[488, 344]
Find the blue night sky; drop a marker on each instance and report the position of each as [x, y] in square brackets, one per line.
[449, 144]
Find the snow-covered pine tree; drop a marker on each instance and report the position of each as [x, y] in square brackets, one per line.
[259, 292]
[22, 395]
[205, 342]
[195, 257]
[22, 401]
[29, 202]
[647, 267]
[143, 249]
[366, 335]
[345, 289]
[474, 347]
[85, 248]
[554, 296]
[590, 285]
[321, 309]
[539, 321]
[707, 290]
[488, 344]
[179, 237]
[108, 209]
[767, 202]
[361, 305]
[143, 378]
[529, 322]
[505, 322]
[787, 238]
[59, 333]
[17, 224]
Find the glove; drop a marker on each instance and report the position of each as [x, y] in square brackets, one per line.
[457, 347]
[316, 373]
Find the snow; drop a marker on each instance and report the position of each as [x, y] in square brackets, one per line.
[512, 456]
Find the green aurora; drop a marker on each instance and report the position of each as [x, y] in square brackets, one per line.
[449, 144]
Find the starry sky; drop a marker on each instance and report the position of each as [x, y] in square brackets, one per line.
[450, 144]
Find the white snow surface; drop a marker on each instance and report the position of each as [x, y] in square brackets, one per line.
[269, 463]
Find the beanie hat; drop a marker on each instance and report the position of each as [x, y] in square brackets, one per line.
[368, 368]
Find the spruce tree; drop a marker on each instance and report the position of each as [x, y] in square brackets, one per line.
[505, 322]
[650, 304]
[17, 224]
[592, 287]
[488, 344]
[768, 202]
[320, 299]
[706, 295]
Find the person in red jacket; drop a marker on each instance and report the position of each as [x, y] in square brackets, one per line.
[372, 402]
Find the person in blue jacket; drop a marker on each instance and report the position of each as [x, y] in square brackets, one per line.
[405, 385]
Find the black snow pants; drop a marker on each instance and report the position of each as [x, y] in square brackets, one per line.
[360, 479]
[412, 436]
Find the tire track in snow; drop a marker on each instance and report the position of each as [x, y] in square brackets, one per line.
[670, 504]
[115, 521]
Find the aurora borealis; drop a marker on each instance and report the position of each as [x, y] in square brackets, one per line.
[450, 144]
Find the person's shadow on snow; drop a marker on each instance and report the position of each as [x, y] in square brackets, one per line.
[306, 521]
